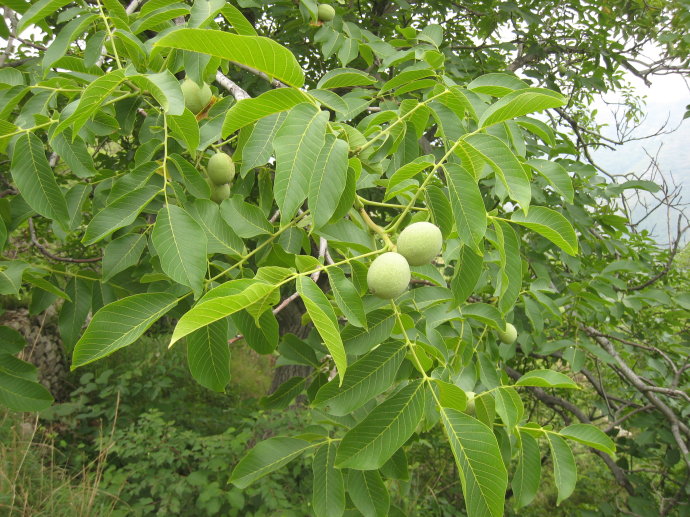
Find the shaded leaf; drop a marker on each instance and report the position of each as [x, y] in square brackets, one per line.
[208, 355]
[484, 477]
[119, 324]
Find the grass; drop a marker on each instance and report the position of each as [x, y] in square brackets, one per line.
[33, 483]
[53, 466]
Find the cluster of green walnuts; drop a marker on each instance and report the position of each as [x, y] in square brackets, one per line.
[418, 244]
[389, 274]
[220, 170]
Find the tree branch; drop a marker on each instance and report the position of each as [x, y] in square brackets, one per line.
[51, 256]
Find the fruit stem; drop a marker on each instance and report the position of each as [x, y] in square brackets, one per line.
[377, 229]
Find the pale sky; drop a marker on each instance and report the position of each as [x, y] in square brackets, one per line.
[665, 99]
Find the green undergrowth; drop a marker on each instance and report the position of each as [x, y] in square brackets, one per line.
[139, 437]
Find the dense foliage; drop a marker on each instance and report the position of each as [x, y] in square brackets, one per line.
[342, 133]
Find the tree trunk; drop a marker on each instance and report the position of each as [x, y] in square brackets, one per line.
[43, 349]
[290, 321]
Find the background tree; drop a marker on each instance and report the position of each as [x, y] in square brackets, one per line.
[342, 134]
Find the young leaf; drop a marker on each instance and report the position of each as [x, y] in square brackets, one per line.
[284, 395]
[483, 475]
[73, 313]
[485, 313]
[344, 77]
[203, 11]
[267, 457]
[38, 11]
[165, 88]
[511, 266]
[360, 340]
[549, 224]
[440, 209]
[369, 444]
[208, 355]
[408, 171]
[450, 395]
[329, 488]
[235, 18]
[245, 219]
[67, 35]
[257, 52]
[119, 324]
[11, 276]
[496, 84]
[525, 482]
[212, 309]
[365, 379]
[321, 313]
[34, 179]
[297, 146]
[564, 468]
[261, 334]
[258, 148]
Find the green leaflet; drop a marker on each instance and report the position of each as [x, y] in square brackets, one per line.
[120, 324]
[208, 355]
[484, 478]
[550, 224]
[34, 178]
[365, 379]
[329, 488]
[373, 441]
[213, 309]
[297, 147]
[525, 482]
[564, 468]
[321, 313]
[257, 52]
[172, 236]
[247, 111]
[268, 456]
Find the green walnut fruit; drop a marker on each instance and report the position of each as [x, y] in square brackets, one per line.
[219, 192]
[220, 169]
[326, 13]
[509, 335]
[419, 243]
[195, 98]
[469, 409]
[388, 275]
